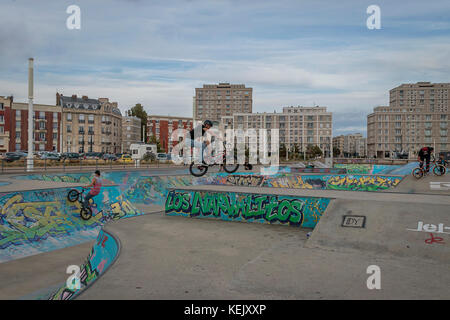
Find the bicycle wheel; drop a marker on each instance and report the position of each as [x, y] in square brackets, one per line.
[439, 170]
[197, 170]
[417, 173]
[230, 168]
[85, 213]
[73, 195]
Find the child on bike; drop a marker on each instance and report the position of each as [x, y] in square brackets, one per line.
[96, 186]
[441, 161]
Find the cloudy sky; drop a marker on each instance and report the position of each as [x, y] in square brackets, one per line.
[291, 52]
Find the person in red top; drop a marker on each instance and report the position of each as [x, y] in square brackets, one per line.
[425, 155]
[96, 186]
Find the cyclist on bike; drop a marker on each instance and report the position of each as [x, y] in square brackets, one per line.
[441, 161]
[425, 155]
[96, 186]
[199, 130]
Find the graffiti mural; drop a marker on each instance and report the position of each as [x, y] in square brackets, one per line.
[38, 221]
[244, 180]
[355, 168]
[229, 206]
[103, 253]
[319, 170]
[335, 182]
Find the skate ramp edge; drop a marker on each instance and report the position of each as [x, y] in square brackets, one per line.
[398, 229]
[246, 207]
[32, 222]
[104, 253]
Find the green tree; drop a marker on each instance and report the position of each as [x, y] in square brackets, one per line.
[139, 112]
[152, 140]
[313, 151]
[336, 152]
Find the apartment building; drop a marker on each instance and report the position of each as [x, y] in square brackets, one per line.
[5, 114]
[350, 145]
[131, 132]
[298, 126]
[215, 101]
[47, 127]
[90, 125]
[162, 127]
[417, 115]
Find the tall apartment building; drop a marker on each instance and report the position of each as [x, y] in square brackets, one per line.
[131, 133]
[299, 126]
[417, 116]
[90, 125]
[215, 101]
[162, 127]
[350, 145]
[5, 115]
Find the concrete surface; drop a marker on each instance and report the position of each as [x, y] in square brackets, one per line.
[29, 277]
[166, 257]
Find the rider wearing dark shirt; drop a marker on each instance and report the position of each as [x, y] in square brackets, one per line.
[425, 154]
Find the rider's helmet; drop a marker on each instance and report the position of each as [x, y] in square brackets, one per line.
[208, 123]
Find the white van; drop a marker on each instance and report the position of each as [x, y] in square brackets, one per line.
[138, 150]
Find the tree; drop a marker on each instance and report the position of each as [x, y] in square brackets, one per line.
[152, 140]
[313, 151]
[139, 112]
[336, 152]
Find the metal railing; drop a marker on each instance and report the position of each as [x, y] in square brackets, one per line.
[64, 165]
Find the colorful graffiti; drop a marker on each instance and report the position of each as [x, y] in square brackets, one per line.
[355, 168]
[103, 253]
[319, 170]
[245, 180]
[229, 206]
[335, 182]
[38, 221]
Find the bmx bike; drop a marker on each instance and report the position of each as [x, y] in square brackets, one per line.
[198, 170]
[437, 169]
[75, 195]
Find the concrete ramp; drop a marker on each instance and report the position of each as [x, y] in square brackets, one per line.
[32, 222]
[398, 228]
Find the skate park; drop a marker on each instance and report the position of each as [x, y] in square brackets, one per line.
[296, 234]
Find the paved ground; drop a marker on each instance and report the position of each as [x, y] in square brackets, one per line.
[167, 257]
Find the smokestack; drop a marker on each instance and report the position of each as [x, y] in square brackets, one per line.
[30, 114]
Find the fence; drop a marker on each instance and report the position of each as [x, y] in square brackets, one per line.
[18, 166]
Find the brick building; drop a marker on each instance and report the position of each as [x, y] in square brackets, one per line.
[162, 127]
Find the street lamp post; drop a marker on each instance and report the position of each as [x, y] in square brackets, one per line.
[30, 116]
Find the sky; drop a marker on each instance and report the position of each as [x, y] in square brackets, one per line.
[291, 52]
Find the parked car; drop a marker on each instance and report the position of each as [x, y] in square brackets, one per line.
[12, 156]
[50, 156]
[93, 155]
[108, 156]
[161, 157]
[23, 154]
[126, 158]
[70, 155]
